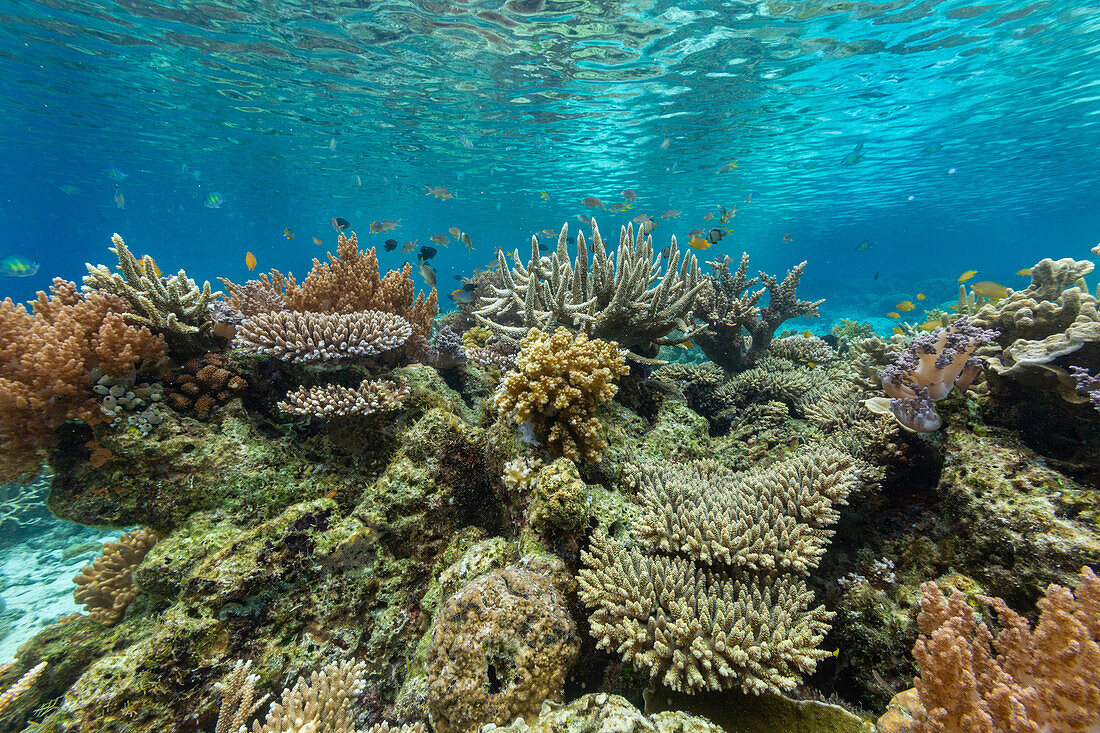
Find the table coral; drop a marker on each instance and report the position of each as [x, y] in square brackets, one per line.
[309, 337]
[46, 359]
[500, 647]
[558, 383]
[333, 400]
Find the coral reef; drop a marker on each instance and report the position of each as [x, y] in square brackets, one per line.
[175, 307]
[24, 683]
[1088, 385]
[559, 380]
[308, 337]
[320, 703]
[203, 383]
[500, 647]
[728, 307]
[623, 297]
[1022, 679]
[802, 349]
[106, 587]
[332, 400]
[46, 359]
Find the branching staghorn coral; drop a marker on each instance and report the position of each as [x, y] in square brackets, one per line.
[728, 305]
[558, 382]
[802, 349]
[309, 337]
[106, 587]
[935, 363]
[1041, 679]
[24, 683]
[320, 703]
[175, 306]
[623, 296]
[46, 361]
[710, 598]
[333, 400]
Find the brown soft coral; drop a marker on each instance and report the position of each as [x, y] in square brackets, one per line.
[46, 357]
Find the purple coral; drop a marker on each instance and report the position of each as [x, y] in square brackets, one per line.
[1087, 385]
[446, 351]
[935, 363]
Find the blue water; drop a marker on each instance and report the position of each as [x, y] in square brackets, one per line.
[297, 113]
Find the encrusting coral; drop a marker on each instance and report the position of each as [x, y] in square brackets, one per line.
[1041, 679]
[500, 647]
[698, 602]
[203, 383]
[47, 358]
[727, 307]
[623, 296]
[309, 337]
[106, 587]
[558, 382]
[333, 400]
[175, 307]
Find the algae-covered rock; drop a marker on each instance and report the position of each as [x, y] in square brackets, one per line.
[599, 712]
[737, 712]
[500, 647]
[559, 498]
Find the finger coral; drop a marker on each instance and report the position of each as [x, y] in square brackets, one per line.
[308, 337]
[558, 382]
[174, 306]
[333, 400]
[1024, 679]
[623, 296]
[321, 703]
[106, 587]
[935, 363]
[727, 306]
[47, 358]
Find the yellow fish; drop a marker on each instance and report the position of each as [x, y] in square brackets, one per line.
[929, 325]
[892, 314]
[920, 296]
[899, 330]
[1026, 272]
[156, 270]
[316, 240]
[807, 333]
[967, 275]
[288, 233]
[250, 260]
[685, 345]
[990, 289]
[954, 308]
[699, 243]
[427, 273]
[544, 195]
[811, 365]
[906, 305]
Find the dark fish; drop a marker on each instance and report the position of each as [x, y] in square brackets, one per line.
[457, 277]
[571, 240]
[543, 247]
[714, 236]
[876, 275]
[341, 224]
[426, 253]
[469, 287]
[666, 252]
[391, 244]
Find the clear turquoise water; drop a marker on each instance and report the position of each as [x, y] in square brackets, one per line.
[297, 113]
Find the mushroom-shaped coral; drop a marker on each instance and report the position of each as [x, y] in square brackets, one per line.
[935, 363]
[500, 647]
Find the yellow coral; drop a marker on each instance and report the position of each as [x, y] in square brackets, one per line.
[476, 337]
[558, 383]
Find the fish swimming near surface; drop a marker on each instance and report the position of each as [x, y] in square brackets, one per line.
[989, 289]
[876, 275]
[455, 232]
[440, 239]
[376, 227]
[68, 188]
[288, 233]
[340, 224]
[728, 167]
[665, 143]
[426, 253]
[250, 261]
[464, 140]
[116, 175]
[332, 143]
[671, 214]
[967, 275]
[629, 194]
[440, 192]
[390, 244]
[865, 245]
[748, 199]
[933, 148]
[545, 196]
[583, 219]
[788, 238]
[409, 246]
[592, 202]
[213, 200]
[624, 206]
[853, 157]
[120, 200]
[316, 240]
[18, 266]
[427, 273]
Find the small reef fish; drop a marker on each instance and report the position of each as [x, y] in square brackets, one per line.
[629, 194]
[905, 306]
[624, 206]
[1026, 272]
[544, 195]
[686, 345]
[665, 143]
[708, 215]
[409, 246]
[699, 243]
[898, 330]
[671, 214]
[376, 227]
[543, 247]
[695, 232]
[853, 157]
[18, 266]
[967, 275]
[455, 232]
[156, 269]
[358, 181]
[714, 236]
[748, 199]
[583, 219]
[929, 325]
[933, 148]
[920, 296]
[546, 233]
[250, 261]
[440, 239]
[69, 189]
[727, 214]
[990, 289]
[213, 200]
[390, 244]
[116, 175]
[893, 314]
[316, 240]
[460, 296]
[865, 245]
[440, 192]
[332, 143]
[728, 167]
[592, 202]
[120, 200]
[427, 273]
[808, 333]
[465, 239]
[788, 238]
[426, 253]
[876, 275]
[340, 225]
[464, 140]
[288, 233]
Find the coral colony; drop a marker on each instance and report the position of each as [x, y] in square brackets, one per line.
[548, 509]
